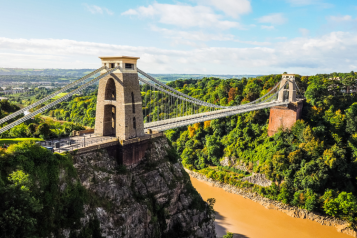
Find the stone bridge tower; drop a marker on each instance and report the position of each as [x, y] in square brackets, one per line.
[289, 91]
[119, 103]
[285, 116]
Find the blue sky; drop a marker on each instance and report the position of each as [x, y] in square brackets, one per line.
[188, 36]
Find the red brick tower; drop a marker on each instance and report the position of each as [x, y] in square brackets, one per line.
[285, 116]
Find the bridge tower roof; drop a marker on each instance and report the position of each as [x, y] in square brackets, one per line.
[122, 57]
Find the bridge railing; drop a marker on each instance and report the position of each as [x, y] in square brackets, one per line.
[84, 142]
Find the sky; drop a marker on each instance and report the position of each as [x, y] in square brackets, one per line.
[187, 36]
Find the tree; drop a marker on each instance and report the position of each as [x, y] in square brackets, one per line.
[351, 119]
[31, 129]
[43, 130]
[233, 92]
[228, 235]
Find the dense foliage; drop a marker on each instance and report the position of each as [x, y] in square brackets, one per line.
[313, 165]
[32, 205]
[80, 109]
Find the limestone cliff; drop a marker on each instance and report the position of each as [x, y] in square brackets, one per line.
[153, 199]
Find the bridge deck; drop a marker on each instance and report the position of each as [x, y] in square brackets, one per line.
[206, 116]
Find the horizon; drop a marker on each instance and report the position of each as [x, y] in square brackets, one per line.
[212, 37]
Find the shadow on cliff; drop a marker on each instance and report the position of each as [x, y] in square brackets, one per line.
[221, 225]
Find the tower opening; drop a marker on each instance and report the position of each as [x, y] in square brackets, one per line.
[109, 127]
[129, 66]
[110, 90]
[133, 102]
[286, 92]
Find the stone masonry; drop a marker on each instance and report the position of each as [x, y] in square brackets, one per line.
[289, 91]
[284, 117]
[119, 104]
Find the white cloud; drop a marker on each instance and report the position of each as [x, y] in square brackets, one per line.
[340, 18]
[267, 27]
[130, 12]
[193, 35]
[183, 16]
[186, 37]
[304, 31]
[232, 8]
[275, 18]
[97, 10]
[327, 53]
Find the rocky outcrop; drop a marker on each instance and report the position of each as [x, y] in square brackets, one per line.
[341, 226]
[231, 162]
[258, 179]
[255, 178]
[154, 199]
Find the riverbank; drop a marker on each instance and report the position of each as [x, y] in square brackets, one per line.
[293, 212]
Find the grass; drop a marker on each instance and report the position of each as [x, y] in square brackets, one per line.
[17, 140]
[59, 96]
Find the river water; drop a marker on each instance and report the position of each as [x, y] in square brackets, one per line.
[248, 219]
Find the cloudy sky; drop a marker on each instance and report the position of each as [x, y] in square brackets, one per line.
[184, 36]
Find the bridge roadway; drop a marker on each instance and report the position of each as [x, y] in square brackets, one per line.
[163, 125]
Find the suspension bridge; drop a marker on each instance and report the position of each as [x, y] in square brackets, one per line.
[122, 112]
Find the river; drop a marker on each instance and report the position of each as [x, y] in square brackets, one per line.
[248, 219]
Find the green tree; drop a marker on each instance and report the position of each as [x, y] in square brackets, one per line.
[43, 130]
[228, 235]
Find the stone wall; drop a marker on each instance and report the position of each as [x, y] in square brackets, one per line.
[341, 226]
[154, 199]
[284, 117]
[255, 178]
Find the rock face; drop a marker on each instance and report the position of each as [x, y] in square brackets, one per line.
[258, 179]
[154, 199]
[255, 178]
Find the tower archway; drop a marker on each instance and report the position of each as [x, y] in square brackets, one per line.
[109, 122]
[286, 92]
[110, 90]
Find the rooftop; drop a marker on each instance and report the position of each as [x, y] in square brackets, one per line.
[118, 57]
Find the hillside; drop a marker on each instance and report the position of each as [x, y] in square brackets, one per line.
[312, 166]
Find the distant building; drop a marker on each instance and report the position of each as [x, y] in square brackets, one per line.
[49, 87]
[334, 78]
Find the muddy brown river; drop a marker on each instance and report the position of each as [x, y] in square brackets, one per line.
[249, 219]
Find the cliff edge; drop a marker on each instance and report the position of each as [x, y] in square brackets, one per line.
[154, 199]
